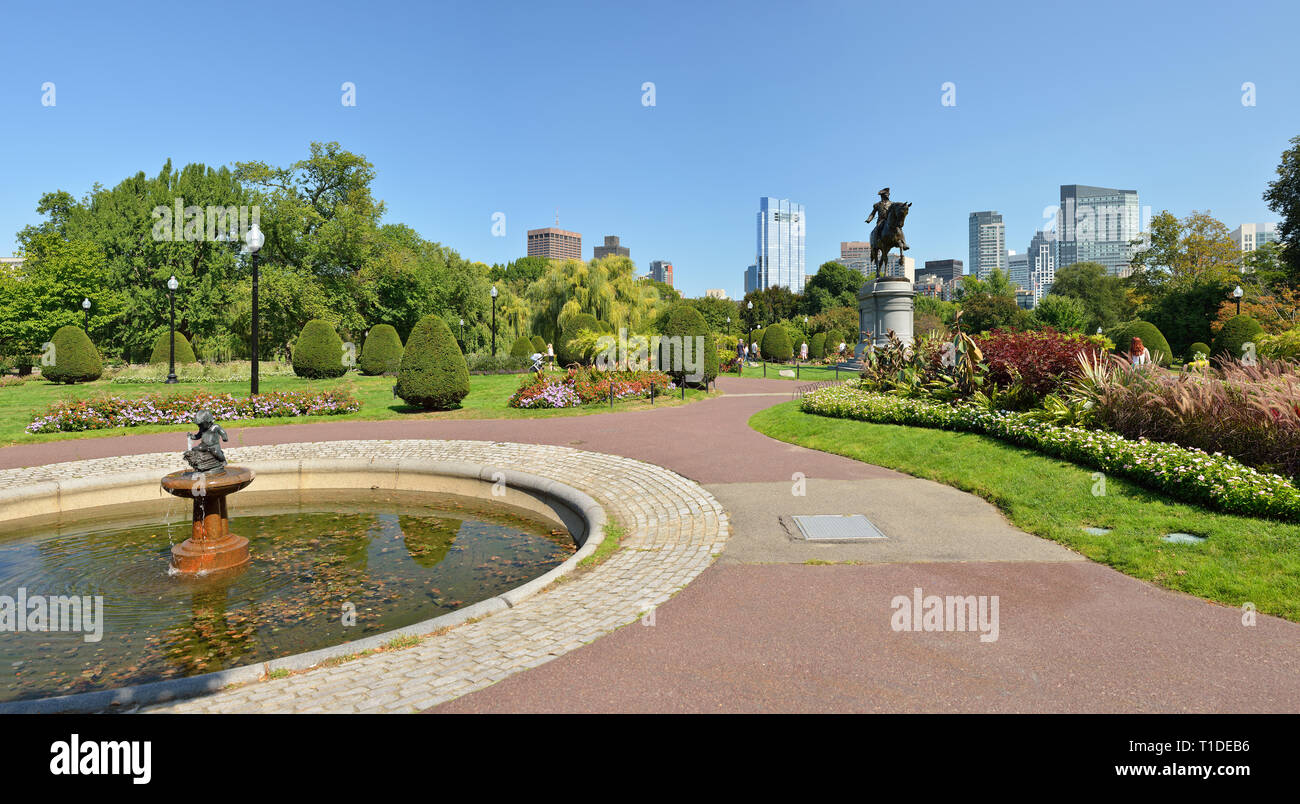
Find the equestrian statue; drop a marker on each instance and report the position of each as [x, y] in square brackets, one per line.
[888, 232]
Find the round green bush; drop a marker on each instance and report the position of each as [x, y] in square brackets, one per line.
[1235, 333]
[1122, 336]
[433, 375]
[686, 322]
[162, 349]
[523, 347]
[577, 324]
[1195, 348]
[318, 352]
[817, 346]
[539, 344]
[833, 340]
[755, 337]
[74, 358]
[776, 344]
[382, 351]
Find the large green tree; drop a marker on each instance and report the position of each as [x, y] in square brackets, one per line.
[1283, 197]
[1104, 296]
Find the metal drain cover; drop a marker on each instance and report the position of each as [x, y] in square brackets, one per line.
[837, 528]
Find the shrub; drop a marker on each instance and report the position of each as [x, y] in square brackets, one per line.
[433, 374]
[162, 349]
[1283, 346]
[485, 363]
[115, 411]
[833, 340]
[1123, 335]
[75, 358]
[318, 352]
[539, 344]
[817, 346]
[382, 351]
[688, 324]
[565, 351]
[776, 344]
[1235, 333]
[1061, 313]
[1043, 360]
[1198, 348]
[584, 386]
[523, 347]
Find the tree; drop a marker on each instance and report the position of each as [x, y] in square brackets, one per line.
[1196, 250]
[984, 312]
[770, 304]
[834, 285]
[686, 322]
[1283, 197]
[1184, 313]
[1062, 313]
[162, 349]
[1104, 296]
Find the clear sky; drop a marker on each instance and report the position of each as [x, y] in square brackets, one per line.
[469, 109]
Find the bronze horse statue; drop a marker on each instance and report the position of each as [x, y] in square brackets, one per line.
[888, 234]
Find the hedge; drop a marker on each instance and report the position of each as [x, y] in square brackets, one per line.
[684, 321]
[817, 346]
[162, 349]
[74, 358]
[382, 351]
[776, 345]
[1235, 333]
[318, 352]
[523, 347]
[433, 374]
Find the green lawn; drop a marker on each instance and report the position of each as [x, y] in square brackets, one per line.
[486, 400]
[1244, 560]
[806, 373]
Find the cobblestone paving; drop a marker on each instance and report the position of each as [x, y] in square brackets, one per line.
[673, 530]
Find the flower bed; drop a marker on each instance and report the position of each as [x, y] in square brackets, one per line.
[1215, 481]
[583, 387]
[115, 411]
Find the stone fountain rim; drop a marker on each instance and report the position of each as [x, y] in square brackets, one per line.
[579, 502]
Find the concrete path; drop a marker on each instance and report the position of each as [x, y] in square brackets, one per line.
[764, 629]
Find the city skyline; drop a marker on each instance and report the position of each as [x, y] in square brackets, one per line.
[692, 141]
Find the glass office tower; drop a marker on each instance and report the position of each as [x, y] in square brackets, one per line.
[1098, 225]
[780, 259]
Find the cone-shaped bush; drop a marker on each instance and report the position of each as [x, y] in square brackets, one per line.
[319, 351]
[433, 375]
[685, 322]
[1122, 336]
[817, 346]
[776, 344]
[539, 344]
[382, 351]
[162, 348]
[523, 347]
[1234, 335]
[74, 358]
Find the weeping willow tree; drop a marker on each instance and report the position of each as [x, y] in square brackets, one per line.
[607, 288]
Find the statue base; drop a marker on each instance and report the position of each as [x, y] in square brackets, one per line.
[211, 546]
[884, 305]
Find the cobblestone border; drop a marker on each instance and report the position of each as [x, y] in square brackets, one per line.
[673, 531]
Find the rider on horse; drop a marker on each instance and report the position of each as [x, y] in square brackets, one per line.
[880, 213]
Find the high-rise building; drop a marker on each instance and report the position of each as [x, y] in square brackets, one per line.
[715, 293]
[751, 279]
[554, 244]
[780, 255]
[1250, 236]
[662, 271]
[1042, 264]
[1098, 224]
[988, 244]
[948, 270]
[610, 249]
[905, 268]
[1018, 269]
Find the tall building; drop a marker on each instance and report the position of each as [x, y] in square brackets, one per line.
[610, 249]
[988, 243]
[715, 293]
[948, 270]
[554, 244]
[930, 285]
[780, 258]
[1042, 264]
[751, 279]
[1250, 236]
[1098, 224]
[661, 271]
[1018, 269]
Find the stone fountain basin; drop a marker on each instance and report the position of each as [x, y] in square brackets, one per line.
[219, 483]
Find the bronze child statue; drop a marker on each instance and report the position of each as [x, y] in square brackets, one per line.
[207, 454]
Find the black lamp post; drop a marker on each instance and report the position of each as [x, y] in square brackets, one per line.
[172, 285]
[1237, 293]
[462, 333]
[85, 318]
[494, 320]
[253, 240]
[750, 307]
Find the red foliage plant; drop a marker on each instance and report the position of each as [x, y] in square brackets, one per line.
[1042, 359]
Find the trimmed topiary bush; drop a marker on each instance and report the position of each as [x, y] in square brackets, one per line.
[382, 351]
[1195, 348]
[817, 346]
[776, 344]
[686, 322]
[1122, 336]
[75, 358]
[318, 352]
[539, 344]
[523, 347]
[563, 353]
[162, 349]
[833, 340]
[1235, 333]
[433, 374]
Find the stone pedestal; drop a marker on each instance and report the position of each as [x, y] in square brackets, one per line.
[211, 546]
[884, 304]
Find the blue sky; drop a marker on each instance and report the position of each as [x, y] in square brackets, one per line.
[469, 109]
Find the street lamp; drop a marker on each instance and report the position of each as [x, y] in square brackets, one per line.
[750, 306]
[494, 320]
[462, 333]
[1237, 293]
[172, 284]
[85, 318]
[253, 240]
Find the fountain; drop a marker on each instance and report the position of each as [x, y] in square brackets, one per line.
[211, 546]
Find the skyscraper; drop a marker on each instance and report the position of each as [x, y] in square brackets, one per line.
[948, 270]
[1042, 264]
[610, 249]
[554, 243]
[1097, 224]
[751, 279]
[779, 258]
[1250, 236]
[988, 243]
[1018, 269]
[662, 271]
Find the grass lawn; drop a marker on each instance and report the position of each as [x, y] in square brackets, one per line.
[487, 398]
[1244, 560]
[806, 373]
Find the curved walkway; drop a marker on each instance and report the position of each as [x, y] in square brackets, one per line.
[769, 628]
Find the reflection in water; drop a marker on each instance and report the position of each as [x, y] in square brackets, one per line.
[393, 558]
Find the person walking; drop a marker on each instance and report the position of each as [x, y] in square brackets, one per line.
[803, 351]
